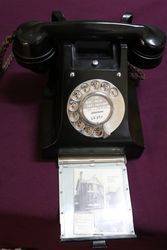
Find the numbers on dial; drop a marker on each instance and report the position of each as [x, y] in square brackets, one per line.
[105, 86]
[73, 106]
[85, 88]
[91, 108]
[95, 84]
[74, 116]
[76, 95]
[79, 125]
[114, 92]
[88, 130]
[98, 132]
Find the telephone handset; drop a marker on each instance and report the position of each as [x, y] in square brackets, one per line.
[89, 105]
[35, 43]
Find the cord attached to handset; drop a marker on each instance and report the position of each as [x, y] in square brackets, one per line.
[5, 63]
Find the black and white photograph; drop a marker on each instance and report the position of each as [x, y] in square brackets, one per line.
[99, 201]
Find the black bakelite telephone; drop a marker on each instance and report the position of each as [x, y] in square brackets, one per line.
[89, 116]
[89, 104]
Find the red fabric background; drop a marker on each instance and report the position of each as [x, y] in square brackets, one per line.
[28, 187]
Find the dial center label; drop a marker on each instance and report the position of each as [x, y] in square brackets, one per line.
[96, 109]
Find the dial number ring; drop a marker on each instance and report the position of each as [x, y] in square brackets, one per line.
[99, 108]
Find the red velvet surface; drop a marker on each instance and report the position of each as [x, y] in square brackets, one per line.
[29, 187]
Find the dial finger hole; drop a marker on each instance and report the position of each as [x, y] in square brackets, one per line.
[73, 106]
[105, 86]
[88, 130]
[76, 95]
[98, 132]
[79, 125]
[85, 88]
[114, 92]
[73, 116]
[95, 84]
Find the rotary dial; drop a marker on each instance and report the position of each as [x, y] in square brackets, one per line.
[96, 108]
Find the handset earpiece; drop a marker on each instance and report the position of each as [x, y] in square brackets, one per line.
[32, 47]
[148, 49]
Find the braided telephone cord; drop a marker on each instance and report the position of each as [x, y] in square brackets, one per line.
[135, 73]
[3, 48]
